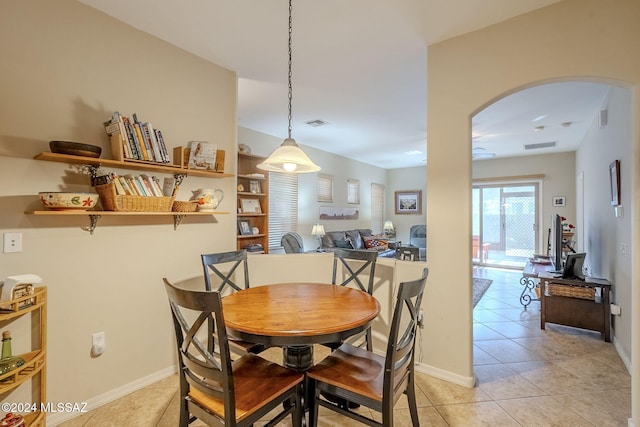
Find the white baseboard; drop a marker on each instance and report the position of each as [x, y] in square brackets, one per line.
[630, 422]
[623, 356]
[463, 381]
[54, 419]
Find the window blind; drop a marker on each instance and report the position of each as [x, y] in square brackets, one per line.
[353, 191]
[283, 206]
[377, 207]
[324, 188]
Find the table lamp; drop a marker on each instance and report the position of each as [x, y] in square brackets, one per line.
[389, 229]
[318, 230]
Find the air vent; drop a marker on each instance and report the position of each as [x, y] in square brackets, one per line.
[540, 145]
[316, 123]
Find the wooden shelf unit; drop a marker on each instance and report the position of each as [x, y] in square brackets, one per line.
[94, 163]
[126, 164]
[94, 216]
[35, 360]
[247, 165]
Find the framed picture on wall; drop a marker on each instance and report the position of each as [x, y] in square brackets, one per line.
[614, 181]
[559, 201]
[409, 202]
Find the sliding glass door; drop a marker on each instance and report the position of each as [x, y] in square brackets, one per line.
[504, 223]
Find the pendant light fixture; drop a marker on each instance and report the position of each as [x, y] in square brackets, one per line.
[289, 157]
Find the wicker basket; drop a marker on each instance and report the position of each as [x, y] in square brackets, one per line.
[559, 290]
[179, 206]
[114, 202]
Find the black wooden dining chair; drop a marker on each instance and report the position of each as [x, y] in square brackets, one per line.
[355, 265]
[212, 265]
[365, 263]
[234, 259]
[215, 389]
[407, 253]
[364, 378]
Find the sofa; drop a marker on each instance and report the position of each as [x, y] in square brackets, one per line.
[362, 239]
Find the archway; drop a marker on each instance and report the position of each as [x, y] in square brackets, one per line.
[584, 208]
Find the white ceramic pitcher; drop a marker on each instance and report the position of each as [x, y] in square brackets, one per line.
[208, 199]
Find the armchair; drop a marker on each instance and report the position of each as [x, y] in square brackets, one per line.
[418, 239]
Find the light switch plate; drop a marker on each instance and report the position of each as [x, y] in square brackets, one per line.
[12, 242]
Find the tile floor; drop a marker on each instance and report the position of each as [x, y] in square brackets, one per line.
[526, 377]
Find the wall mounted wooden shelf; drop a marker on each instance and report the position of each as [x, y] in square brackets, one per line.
[94, 216]
[134, 165]
[94, 163]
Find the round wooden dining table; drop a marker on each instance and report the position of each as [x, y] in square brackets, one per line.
[295, 316]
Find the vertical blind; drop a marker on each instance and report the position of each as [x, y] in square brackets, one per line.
[353, 191]
[324, 188]
[377, 207]
[283, 206]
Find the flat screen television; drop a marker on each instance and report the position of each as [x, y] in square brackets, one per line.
[555, 242]
[573, 266]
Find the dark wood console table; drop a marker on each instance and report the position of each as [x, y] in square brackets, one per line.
[529, 281]
[580, 312]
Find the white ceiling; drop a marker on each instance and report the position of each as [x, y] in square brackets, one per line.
[360, 66]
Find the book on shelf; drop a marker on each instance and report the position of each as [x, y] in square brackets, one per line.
[134, 185]
[125, 185]
[163, 146]
[135, 140]
[202, 155]
[141, 185]
[155, 146]
[116, 182]
[152, 185]
[168, 186]
[140, 141]
[133, 146]
[146, 187]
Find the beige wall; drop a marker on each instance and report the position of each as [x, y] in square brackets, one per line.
[567, 40]
[608, 239]
[65, 68]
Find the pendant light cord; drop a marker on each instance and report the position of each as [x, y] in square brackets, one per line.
[290, 86]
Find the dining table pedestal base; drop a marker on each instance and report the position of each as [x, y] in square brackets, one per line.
[298, 357]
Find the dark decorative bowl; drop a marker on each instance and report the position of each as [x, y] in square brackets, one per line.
[75, 148]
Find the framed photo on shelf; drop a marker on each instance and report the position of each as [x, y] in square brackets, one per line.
[559, 201]
[244, 228]
[250, 206]
[614, 182]
[409, 202]
[254, 187]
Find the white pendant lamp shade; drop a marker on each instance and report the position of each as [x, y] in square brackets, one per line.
[290, 158]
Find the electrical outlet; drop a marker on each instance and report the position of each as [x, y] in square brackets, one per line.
[12, 242]
[98, 344]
